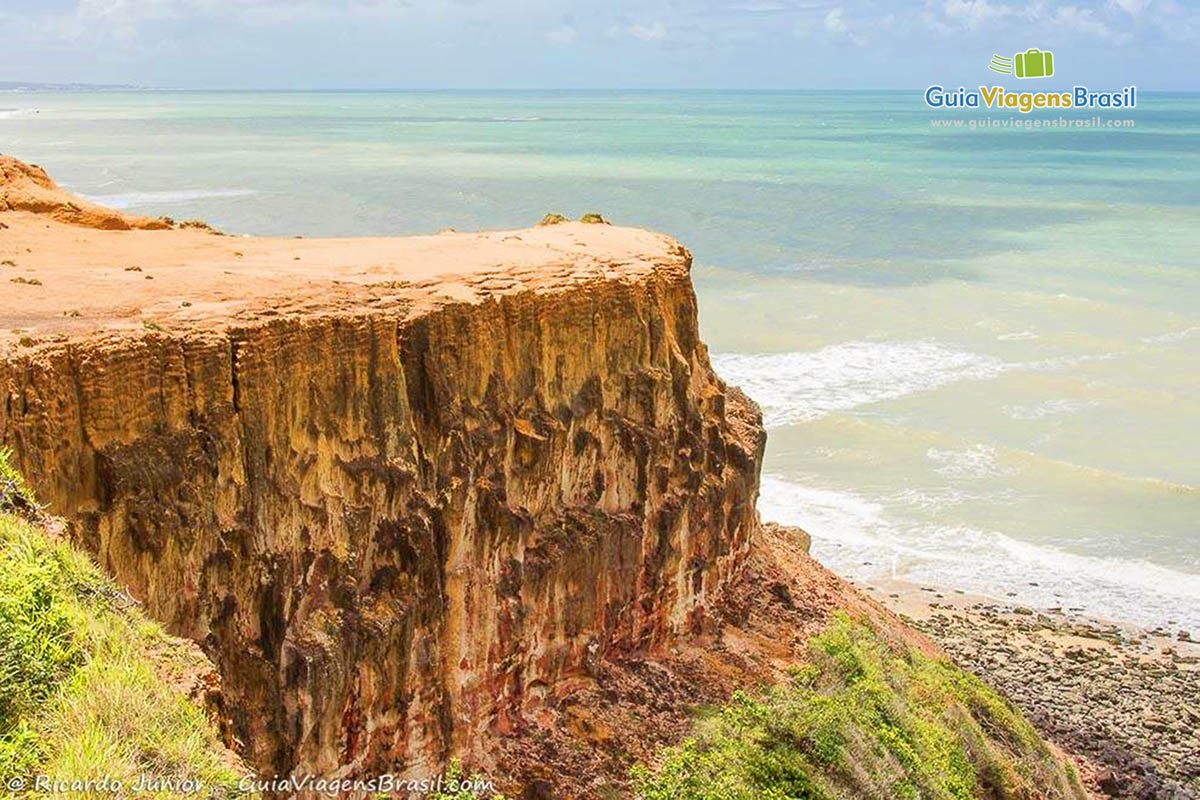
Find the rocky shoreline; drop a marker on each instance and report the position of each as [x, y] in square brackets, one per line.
[1124, 702]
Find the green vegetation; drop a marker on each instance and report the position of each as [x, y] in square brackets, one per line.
[862, 719]
[87, 684]
[15, 496]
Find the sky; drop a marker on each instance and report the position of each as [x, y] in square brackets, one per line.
[512, 44]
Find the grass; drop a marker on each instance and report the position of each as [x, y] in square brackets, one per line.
[37, 647]
[87, 684]
[862, 719]
[15, 496]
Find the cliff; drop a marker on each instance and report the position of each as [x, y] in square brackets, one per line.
[27, 187]
[402, 491]
[465, 496]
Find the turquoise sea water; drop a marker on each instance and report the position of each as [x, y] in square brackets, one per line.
[977, 351]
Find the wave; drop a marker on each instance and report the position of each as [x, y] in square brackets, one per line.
[803, 386]
[974, 462]
[1175, 336]
[800, 387]
[130, 199]
[1048, 408]
[938, 499]
[865, 540]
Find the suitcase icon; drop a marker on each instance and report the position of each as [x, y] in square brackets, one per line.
[1034, 63]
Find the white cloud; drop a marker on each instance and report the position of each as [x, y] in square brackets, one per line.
[1085, 21]
[1177, 23]
[177, 36]
[1131, 7]
[836, 24]
[121, 17]
[1105, 21]
[563, 36]
[649, 33]
[974, 14]
[759, 6]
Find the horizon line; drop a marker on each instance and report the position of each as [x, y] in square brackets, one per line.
[69, 86]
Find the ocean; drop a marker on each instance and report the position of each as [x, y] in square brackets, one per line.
[977, 350]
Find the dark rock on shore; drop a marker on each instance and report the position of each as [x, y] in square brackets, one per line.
[1129, 705]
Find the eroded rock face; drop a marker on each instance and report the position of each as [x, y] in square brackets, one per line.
[395, 530]
[27, 187]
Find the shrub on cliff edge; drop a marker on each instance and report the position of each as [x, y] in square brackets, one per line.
[863, 720]
[15, 496]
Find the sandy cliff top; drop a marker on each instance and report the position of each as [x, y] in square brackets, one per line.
[69, 268]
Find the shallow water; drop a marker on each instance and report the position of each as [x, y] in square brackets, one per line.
[976, 351]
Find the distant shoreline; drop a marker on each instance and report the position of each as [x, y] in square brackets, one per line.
[33, 86]
[21, 86]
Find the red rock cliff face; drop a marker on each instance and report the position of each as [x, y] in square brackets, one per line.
[396, 528]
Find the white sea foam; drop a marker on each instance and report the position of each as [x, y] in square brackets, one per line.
[131, 199]
[838, 516]
[865, 539]
[930, 499]
[1174, 336]
[1049, 408]
[973, 463]
[799, 387]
